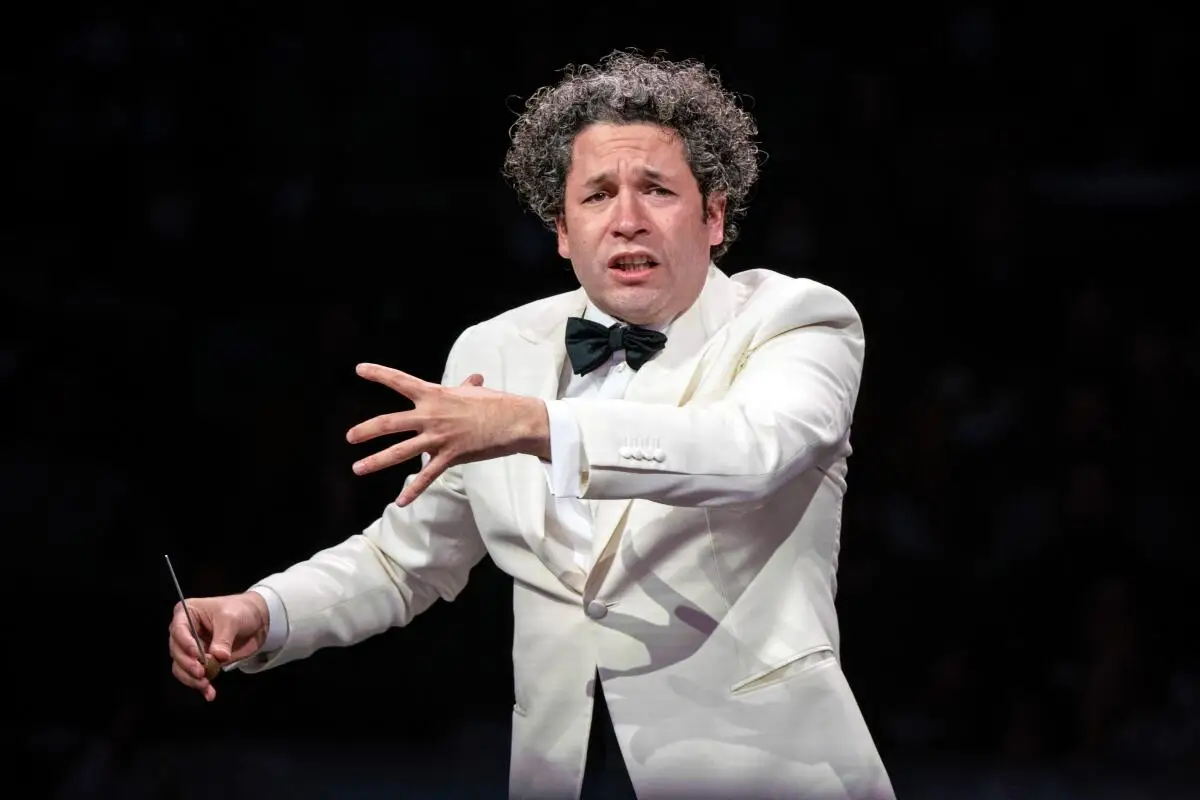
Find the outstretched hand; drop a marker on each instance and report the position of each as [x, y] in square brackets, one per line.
[453, 425]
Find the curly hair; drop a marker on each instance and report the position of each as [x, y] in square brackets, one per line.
[627, 87]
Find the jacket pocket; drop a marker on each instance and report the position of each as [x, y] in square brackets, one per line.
[799, 663]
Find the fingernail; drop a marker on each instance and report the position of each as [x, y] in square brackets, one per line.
[358, 468]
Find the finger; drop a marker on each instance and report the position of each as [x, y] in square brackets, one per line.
[186, 660]
[474, 379]
[396, 454]
[181, 637]
[398, 422]
[402, 382]
[184, 676]
[224, 631]
[423, 479]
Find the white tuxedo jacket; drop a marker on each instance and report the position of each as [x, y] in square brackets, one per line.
[709, 614]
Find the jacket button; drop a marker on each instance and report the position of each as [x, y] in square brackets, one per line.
[596, 609]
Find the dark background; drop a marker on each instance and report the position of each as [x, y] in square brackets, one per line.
[216, 215]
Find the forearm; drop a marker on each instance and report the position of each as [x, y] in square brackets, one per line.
[397, 568]
[788, 410]
[726, 454]
[383, 578]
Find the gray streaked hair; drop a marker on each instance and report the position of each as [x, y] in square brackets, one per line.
[627, 87]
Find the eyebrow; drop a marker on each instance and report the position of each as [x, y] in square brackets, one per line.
[607, 177]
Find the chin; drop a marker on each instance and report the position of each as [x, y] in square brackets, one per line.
[638, 316]
[636, 305]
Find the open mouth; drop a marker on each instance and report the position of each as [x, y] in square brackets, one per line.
[632, 264]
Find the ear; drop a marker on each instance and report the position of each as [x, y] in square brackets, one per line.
[564, 245]
[715, 220]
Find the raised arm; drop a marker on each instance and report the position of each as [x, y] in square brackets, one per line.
[788, 408]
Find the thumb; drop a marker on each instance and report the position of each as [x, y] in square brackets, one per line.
[223, 632]
[474, 379]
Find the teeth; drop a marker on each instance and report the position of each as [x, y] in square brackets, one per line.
[632, 263]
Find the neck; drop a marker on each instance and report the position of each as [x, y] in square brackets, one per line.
[596, 313]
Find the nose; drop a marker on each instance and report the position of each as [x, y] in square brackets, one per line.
[629, 220]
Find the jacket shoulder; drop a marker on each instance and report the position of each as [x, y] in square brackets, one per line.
[530, 316]
[521, 321]
[782, 302]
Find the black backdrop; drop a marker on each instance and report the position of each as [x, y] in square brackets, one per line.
[217, 215]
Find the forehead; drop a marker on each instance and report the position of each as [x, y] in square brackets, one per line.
[609, 146]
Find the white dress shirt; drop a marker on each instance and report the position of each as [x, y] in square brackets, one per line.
[568, 512]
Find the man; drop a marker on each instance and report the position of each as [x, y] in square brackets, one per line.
[658, 459]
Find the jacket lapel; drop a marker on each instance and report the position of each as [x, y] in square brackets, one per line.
[668, 379]
[533, 367]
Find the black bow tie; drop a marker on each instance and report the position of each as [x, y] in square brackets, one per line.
[590, 344]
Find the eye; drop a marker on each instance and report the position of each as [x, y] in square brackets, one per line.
[592, 198]
[661, 192]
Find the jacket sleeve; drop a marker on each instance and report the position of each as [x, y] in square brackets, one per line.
[382, 578]
[787, 409]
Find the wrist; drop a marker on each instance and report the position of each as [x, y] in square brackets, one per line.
[533, 429]
[260, 613]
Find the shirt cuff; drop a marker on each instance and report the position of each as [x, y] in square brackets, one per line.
[564, 471]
